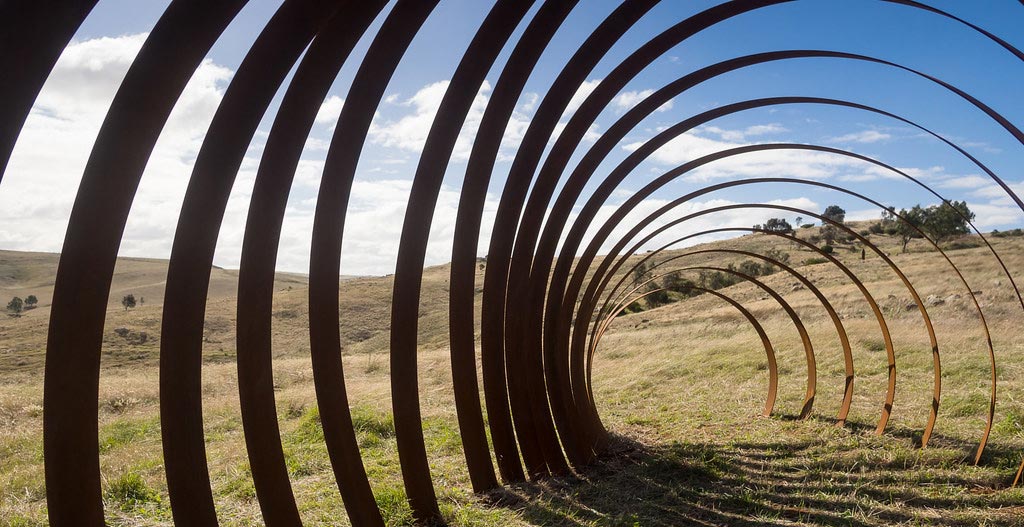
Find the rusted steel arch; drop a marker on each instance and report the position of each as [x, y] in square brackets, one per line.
[563, 206]
[365, 94]
[497, 327]
[489, 40]
[937, 391]
[506, 245]
[844, 341]
[773, 368]
[587, 302]
[520, 364]
[883, 327]
[32, 36]
[285, 143]
[154, 82]
[561, 319]
[329, 380]
[537, 279]
[483, 154]
[246, 99]
[636, 198]
[635, 158]
[963, 280]
[172, 52]
[492, 253]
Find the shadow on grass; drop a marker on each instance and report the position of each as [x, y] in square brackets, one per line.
[769, 483]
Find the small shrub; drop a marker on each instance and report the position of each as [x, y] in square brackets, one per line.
[874, 345]
[129, 491]
[964, 243]
[1007, 234]
[828, 249]
[815, 261]
[309, 430]
[369, 421]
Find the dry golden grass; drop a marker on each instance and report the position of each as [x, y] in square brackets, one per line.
[681, 386]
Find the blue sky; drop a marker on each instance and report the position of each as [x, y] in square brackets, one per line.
[38, 190]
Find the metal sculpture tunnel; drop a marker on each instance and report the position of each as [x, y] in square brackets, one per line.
[548, 296]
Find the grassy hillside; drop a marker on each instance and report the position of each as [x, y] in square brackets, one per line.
[681, 386]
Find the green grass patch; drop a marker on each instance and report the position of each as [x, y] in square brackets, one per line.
[125, 431]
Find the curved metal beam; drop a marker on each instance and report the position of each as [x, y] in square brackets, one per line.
[458, 98]
[140, 109]
[500, 106]
[246, 99]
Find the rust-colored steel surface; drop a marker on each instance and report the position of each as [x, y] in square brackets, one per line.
[548, 294]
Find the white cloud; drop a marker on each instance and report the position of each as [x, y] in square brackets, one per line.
[628, 99]
[966, 182]
[531, 99]
[329, 111]
[865, 136]
[581, 95]
[988, 215]
[997, 195]
[769, 163]
[87, 75]
[46, 167]
[745, 133]
[410, 131]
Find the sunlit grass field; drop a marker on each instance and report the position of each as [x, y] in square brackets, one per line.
[681, 387]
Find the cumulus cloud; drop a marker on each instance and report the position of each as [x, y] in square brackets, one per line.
[46, 167]
[41, 182]
[329, 111]
[581, 95]
[410, 131]
[966, 182]
[770, 163]
[628, 99]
